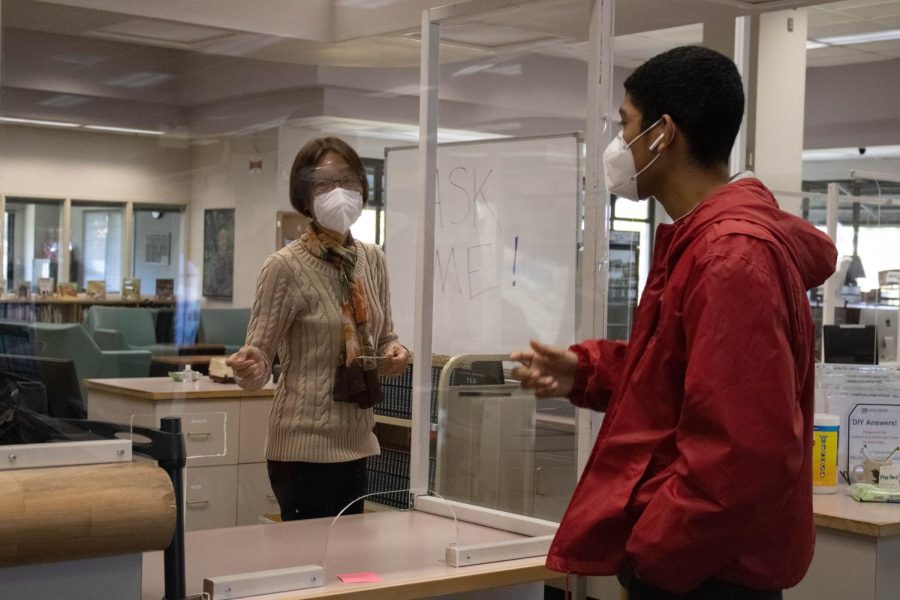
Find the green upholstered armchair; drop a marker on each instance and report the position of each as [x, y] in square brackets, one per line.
[226, 326]
[15, 338]
[125, 328]
[71, 341]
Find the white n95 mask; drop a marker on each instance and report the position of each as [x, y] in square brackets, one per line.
[338, 209]
[618, 165]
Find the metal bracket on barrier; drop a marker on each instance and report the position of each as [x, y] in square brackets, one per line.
[257, 583]
[489, 552]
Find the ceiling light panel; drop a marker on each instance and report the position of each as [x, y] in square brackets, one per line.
[64, 101]
[489, 36]
[861, 38]
[149, 31]
[39, 122]
[82, 59]
[123, 130]
[872, 152]
[141, 79]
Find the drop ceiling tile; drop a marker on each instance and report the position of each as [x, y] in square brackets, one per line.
[686, 34]
[889, 48]
[848, 4]
[878, 11]
[824, 18]
[830, 57]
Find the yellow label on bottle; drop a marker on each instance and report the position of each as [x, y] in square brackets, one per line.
[825, 455]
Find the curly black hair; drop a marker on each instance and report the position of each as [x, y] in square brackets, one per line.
[701, 90]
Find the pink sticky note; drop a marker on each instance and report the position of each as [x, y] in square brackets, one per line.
[367, 577]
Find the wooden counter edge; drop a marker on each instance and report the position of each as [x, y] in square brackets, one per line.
[101, 386]
[857, 526]
[461, 580]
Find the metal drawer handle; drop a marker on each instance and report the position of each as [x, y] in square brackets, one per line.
[198, 503]
[199, 435]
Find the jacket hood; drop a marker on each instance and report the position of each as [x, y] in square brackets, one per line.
[812, 251]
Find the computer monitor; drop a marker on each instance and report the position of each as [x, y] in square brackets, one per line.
[64, 399]
[850, 344]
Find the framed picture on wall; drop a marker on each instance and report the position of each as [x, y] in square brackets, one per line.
[156, 248]
[218, 252]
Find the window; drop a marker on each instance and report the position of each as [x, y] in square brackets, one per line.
[157, 246]
[97, 245]
[370, 226]
[31, 248]
[628, 215]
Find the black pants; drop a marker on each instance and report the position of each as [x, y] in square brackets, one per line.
[714, 589]
[312, 490]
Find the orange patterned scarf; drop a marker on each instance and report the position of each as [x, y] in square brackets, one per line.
[357, 334]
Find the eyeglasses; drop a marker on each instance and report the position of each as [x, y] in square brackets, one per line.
[321, 185]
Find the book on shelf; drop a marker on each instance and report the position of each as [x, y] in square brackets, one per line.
[67, 289]
[165, 289]
[96, 289]
[131, 289]
[45, 286]
[23, 289]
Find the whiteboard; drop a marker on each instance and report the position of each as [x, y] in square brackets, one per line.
[505, 245]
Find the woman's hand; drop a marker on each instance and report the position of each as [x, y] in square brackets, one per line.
[548, 370]
[248, 363]
[397, 359]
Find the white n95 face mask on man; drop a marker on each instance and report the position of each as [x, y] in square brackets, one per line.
[338, 209]
[618, 165]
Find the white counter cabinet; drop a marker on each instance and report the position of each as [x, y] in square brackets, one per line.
[226, 483]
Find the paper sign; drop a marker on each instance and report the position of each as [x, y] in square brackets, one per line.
[366, 577]
[875, 426]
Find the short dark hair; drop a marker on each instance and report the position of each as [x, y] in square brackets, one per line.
[308, 157]
[701, 90]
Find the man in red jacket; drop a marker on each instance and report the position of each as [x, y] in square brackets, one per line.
[699, 484]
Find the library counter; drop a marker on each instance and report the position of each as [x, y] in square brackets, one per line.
[857, 551]
[225, 435]
[404, 549]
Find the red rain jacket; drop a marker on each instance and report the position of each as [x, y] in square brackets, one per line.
[702, 467]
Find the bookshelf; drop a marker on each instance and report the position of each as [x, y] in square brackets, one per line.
[66, 310]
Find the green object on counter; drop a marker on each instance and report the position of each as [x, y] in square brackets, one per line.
[869, 492]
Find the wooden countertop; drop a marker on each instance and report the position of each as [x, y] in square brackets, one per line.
[840, 511]
[164, 388]
[405, 548]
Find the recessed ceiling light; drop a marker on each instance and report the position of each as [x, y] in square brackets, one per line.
[858, 38]
[41, 122]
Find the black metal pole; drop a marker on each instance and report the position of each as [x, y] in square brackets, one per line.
[173, 558]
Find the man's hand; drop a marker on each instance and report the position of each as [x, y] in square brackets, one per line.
[548, 370]
[247, 363]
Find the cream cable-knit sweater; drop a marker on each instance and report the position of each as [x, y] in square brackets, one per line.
[297, 314]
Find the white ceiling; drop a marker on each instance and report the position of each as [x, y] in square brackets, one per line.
[160, 63]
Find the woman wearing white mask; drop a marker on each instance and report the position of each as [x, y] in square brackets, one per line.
[322, 305]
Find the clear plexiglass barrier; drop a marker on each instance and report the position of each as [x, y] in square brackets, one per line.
[498, 446]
